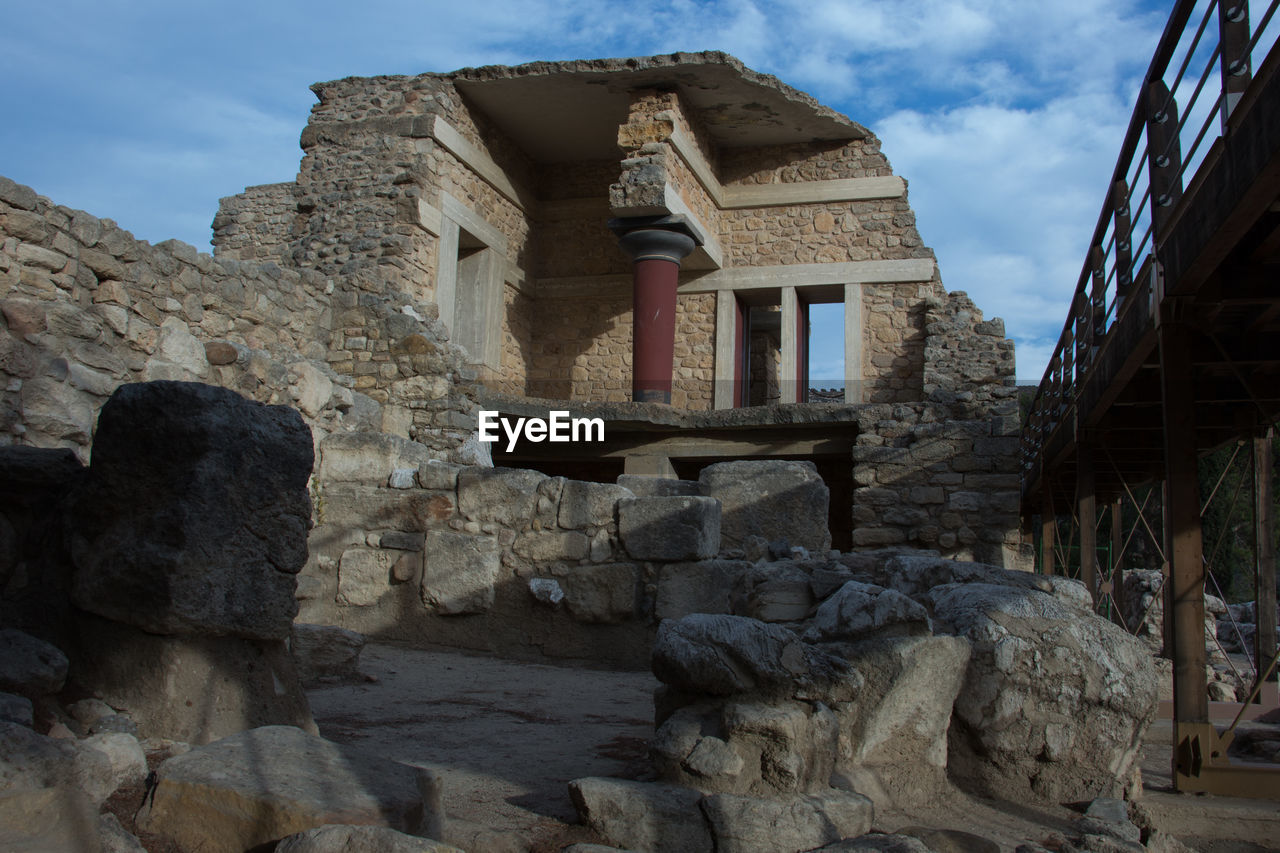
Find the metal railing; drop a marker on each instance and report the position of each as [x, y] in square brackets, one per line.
[1201, 66]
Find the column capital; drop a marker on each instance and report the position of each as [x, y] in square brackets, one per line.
[663, 238]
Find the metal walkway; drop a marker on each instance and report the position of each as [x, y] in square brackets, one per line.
[1171, 348]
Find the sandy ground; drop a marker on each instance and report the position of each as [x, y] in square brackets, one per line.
[508, 736]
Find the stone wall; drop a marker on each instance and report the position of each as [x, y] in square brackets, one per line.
[926, 478]
[256, 224]
[968, 359]
[894, 340]
[87, 308]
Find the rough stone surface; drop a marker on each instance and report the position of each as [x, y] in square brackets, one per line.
[367, 458]
[125, 763]
[364, 575]
[461, 571]
[750, 825]
[584, 505]
[770, 498]
[507, 496]
[858, 609]
[16, 709]
[659, 487]
[878, 842]
[359, 839]
[670, 528]
[325, 651]
[1055, 702]
[726, 655]
[190, 689]
[195, 517]
[115, 838]
[699, 587]
[601, 594]
[642, 816]
[894, 735]
[29, 666]
[267, 783]
[48, 820]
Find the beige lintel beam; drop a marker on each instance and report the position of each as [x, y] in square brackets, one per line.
[430, 218]
[473, 223]
[482, 164]
[813, 275]
[708, 254]
[688, 150]
[813, 192]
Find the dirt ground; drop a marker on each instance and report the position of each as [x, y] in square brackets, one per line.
[507, 738]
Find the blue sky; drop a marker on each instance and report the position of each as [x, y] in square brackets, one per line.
[1004, 115]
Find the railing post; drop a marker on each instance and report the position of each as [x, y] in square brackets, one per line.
[1164, 155]
[1233, 25]
[1084, 333]
[1098, 294]
[1122, 227]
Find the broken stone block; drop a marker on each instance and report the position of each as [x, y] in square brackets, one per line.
[364, 575]
[366, 458]
[601, 594]
[325, 651]
[670, 529]
[744, 824]
[774, 592]
[508, 496]
[698, 587]
[260, 785]
[548, 545]
[195, 513]
[642, 815]
[460, 571]
[771, 498]
[584, 505]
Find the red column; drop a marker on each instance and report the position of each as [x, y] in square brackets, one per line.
[656, 253]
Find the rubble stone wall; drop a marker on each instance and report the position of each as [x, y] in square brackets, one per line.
[86, 308]
[256, 224]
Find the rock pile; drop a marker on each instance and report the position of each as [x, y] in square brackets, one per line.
[908, 672]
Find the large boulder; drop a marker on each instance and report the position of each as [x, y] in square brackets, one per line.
[359, 839]
[670, 528]
[264, 784]
[195, 516]
[803, 822]
[641, 815]
[1055, 701]
[772, 498]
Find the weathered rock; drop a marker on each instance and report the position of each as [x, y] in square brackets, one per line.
[1055, 701]
[178, 355]
[878, 842]
[670, 528]
[191, 689]
[16, 709]
[858, 609]
[359, 839]
[549, 545]
[770, 498]
[115, 838]
[726, 655]
[49, 820]
[460, 571]
[659, 487]
[367, 458]
[434, 474]
[89, 711]
[122, 763]
[584, 505]
[603, 594]
[699, 587]
[642, 816]
[774, 592]
[195, 516]
[325, 651]
[267, 783]
[364, 575]
[951, 840]
[507, 496]
[751, 825]
[29, 666]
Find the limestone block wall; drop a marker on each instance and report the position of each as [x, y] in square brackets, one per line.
[894, 340]
[256, 224]
[925, 478]
[86, 308]
[968, 359]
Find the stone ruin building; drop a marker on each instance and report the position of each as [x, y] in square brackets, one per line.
[637, 241]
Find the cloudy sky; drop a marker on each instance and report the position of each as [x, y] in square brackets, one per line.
[1004, 115]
